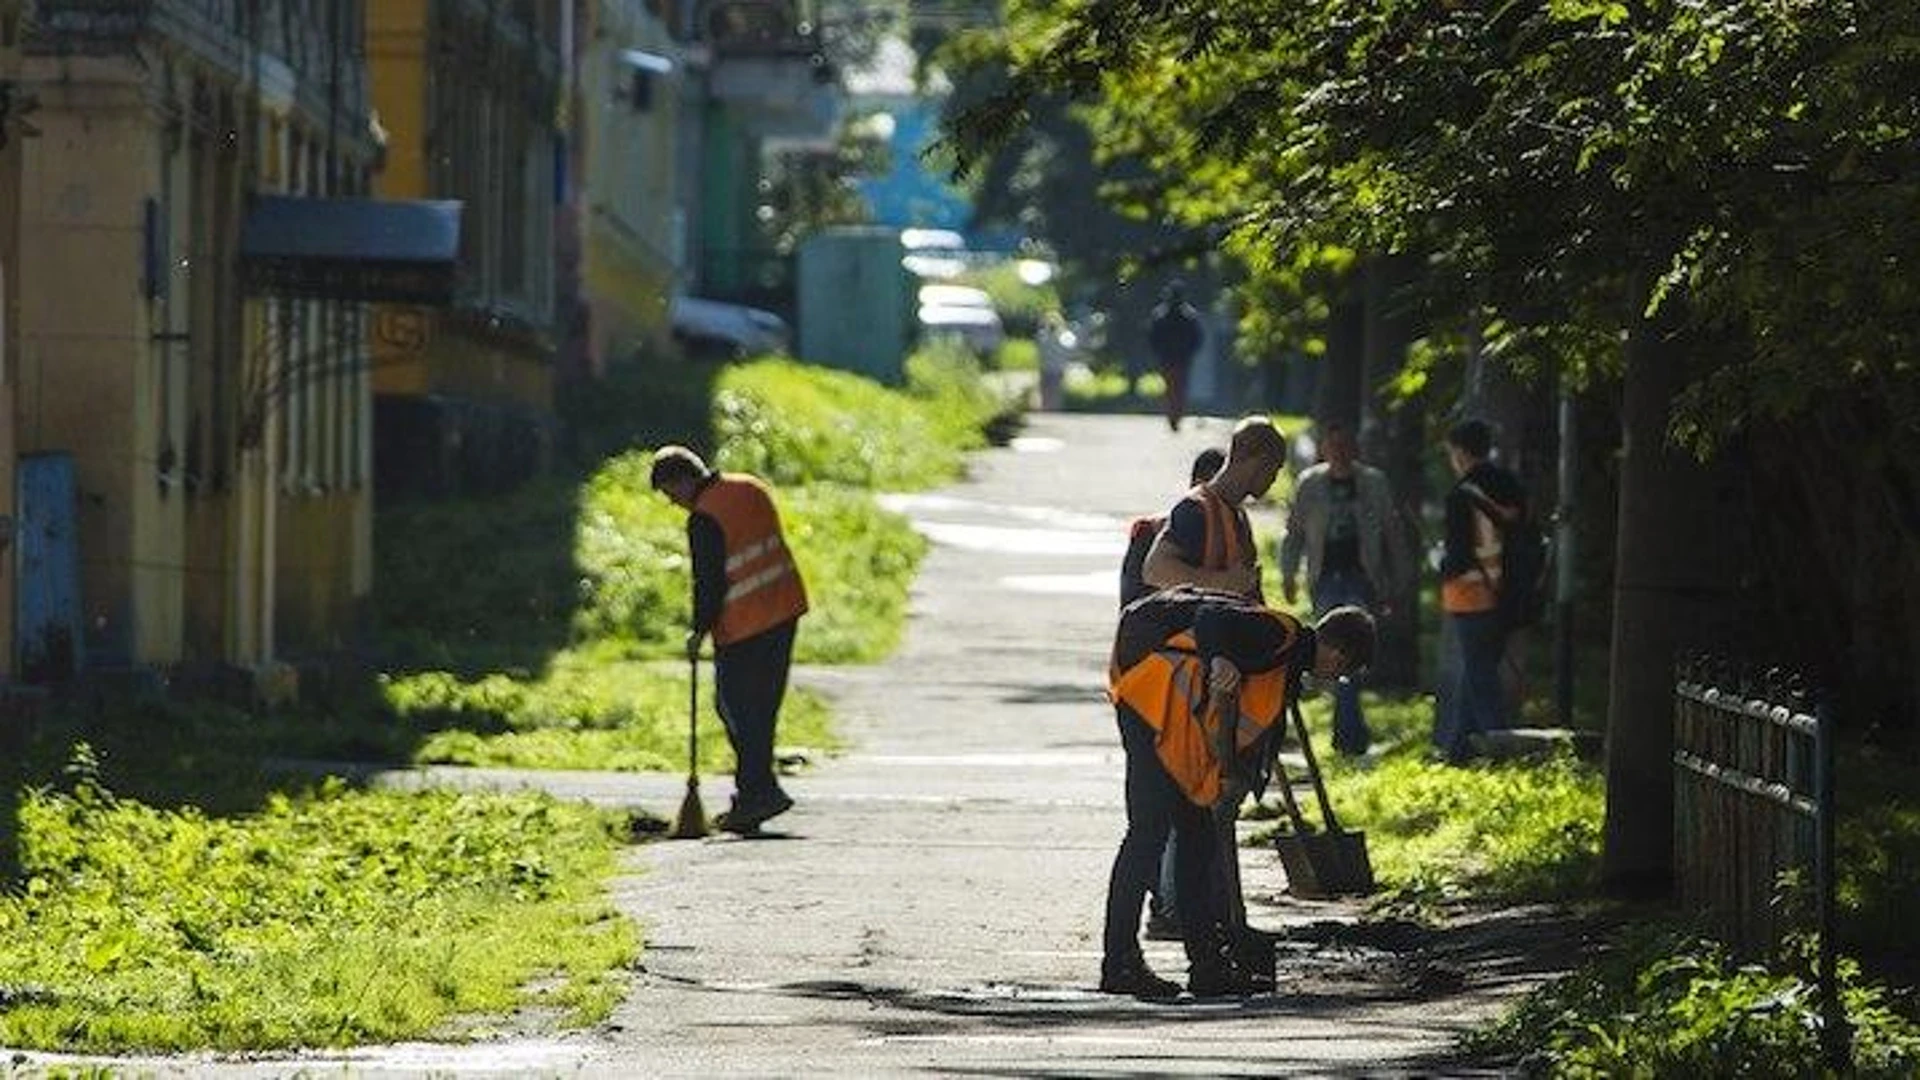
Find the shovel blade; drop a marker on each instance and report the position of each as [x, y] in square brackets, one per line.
[1325, 864]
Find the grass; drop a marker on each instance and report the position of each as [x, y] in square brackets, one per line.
[1666, 1004]
[325, 918]
[1493, 832]
[174, 892]
[546, 664]
[585, 712]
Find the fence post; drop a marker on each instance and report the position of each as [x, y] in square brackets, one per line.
[1835, 1039]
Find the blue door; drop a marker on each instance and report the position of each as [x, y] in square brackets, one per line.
[48, 546]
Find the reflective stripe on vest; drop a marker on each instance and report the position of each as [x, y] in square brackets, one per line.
[763, 584]
[1168, 688]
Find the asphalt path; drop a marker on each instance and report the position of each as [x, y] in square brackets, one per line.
[932, 904]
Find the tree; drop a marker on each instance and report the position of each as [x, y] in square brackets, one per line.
[1729, 183]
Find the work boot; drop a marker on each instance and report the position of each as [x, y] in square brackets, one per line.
[1214, 968]
[1133, 978]
[748, 814]
[1252, 959]
[1163, 927]
[1223, 978]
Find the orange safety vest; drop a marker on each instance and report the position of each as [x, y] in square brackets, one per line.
[763, 584]
[1168, 688]
[1223, 535]
[1478, 589]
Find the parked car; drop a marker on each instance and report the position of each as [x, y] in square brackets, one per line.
[718, 328]
[980, 328]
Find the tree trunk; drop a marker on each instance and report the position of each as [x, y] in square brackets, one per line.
[1670, 590]
[1395, 442]
[1338, 395]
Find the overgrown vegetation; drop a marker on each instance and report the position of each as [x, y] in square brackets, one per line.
[328, 917]
[1665, 1004]
[1494, 832]
[571, 659]
[586, 711]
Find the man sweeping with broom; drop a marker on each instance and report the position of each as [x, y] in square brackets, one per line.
[1200, 682]
[748, 595]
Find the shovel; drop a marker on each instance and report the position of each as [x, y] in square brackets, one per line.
[1328, 863]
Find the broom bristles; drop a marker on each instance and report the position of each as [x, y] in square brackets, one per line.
[691, 824]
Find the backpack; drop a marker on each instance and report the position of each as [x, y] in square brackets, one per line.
[1526, 562]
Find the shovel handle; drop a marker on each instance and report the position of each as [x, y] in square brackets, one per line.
[1313, 767]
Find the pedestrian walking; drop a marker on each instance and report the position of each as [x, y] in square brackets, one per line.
[1200, 682]
[1057, 343]
[1341, 521]
[748, 596]
[1470, 697]
[1174, 335]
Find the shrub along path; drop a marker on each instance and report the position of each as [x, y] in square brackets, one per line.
[933, 902]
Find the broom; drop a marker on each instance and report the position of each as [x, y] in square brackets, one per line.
[691, 824]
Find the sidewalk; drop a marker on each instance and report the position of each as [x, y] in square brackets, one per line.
[932, 905]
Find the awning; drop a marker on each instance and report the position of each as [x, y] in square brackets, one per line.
[400, 251]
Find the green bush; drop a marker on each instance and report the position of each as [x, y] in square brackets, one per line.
[856, 558]
[792, 424]
[1668, 1005]
[322, 920]
[946, 375]
[1017, 354]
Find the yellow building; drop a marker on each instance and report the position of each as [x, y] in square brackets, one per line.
[467, 93]
[623, 153]
[219, 439]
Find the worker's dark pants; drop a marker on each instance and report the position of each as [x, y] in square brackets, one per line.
[1156, 807]
[750, 678]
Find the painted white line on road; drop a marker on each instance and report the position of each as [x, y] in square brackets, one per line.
[1016, 540]
[1037, 444]
[921, 505]
[1091, 583]
[1040, 759]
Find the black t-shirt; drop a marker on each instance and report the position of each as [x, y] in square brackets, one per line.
[1342, 550]
[1133, 583]
[1246, 633]
[1187, 525]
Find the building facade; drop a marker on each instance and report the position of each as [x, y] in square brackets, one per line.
[467, 93]
[215, 439]
[623, 209]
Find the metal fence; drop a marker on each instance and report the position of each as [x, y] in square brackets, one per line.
[1754, 813]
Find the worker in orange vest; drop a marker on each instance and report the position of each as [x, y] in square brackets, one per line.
[1207, 539]
[747, 594]
[1200, 682]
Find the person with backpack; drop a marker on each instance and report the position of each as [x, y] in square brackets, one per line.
[1486, 501]
[1200, 682]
